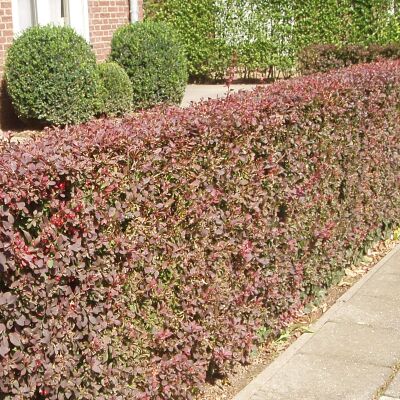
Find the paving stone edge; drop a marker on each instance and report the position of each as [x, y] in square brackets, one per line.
[272, 369]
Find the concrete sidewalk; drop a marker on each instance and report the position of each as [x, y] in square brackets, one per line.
[353, 352]
[196, 93]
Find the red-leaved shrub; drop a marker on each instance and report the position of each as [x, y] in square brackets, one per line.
[140, 257]
[325, 57]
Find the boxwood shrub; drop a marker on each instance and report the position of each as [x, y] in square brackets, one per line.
[139, 257]
[52, 77]
[117, 89]
[154, 60]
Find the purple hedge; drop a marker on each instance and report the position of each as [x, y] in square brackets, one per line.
[325, 57]
[139, 258]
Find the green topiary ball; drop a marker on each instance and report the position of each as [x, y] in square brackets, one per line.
[154, 60]
[116, 89]
[52, 76]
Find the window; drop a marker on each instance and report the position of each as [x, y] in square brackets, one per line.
[24, 15]
[57, 12]
[74, 13]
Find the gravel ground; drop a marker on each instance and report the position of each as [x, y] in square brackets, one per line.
[19, 136]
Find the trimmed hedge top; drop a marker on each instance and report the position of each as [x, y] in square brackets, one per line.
[154, 60]
[139, 257]
[52, 77]
[325, 57]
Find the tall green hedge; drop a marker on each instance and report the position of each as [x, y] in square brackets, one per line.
[265, 36]
[196, 23]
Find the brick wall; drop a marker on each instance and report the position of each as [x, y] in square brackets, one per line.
[6, 30]
[105, 16]
[7, 115]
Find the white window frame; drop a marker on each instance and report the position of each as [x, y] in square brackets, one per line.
[16, 12]
[76, 15]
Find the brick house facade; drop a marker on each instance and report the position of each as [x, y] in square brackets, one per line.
[6, 30]
[103, 18]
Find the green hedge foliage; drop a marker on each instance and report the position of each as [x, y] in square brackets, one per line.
[264, 37]
[195, 22]
[154, 60]
[117, 89]
[52, 76]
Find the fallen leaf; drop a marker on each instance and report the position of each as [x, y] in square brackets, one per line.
[350, 272]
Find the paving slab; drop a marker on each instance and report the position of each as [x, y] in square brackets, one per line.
[370, 310]
[196, 93]
[355, 343]
[310, 377]
[383, 285]
[394, 388]
[392, 266]
[352, 352]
